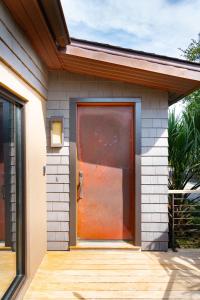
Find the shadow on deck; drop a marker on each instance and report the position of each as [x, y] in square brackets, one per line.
[117, 274]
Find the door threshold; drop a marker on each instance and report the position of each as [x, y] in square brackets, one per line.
[105, 245]
[4, 248]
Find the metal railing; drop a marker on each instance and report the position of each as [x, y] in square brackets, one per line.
[184, 219]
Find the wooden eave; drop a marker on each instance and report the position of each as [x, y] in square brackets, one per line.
[52, 11]
[29, 16]
[178, 77]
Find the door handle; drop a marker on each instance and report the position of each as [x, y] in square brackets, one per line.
[80, 184]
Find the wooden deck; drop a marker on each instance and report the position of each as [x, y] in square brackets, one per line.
[7, 269]
[117, 274]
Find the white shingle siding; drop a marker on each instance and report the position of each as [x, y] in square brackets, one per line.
[158, 217]
[154, 152]
[159, 198]
[155, 227]
[154, 161]
[154, 170]
[154, 189]
[154, 180]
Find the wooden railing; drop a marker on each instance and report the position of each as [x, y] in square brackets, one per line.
[184, 219]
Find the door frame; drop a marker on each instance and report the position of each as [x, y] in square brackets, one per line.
[19, 279]
[73, 104]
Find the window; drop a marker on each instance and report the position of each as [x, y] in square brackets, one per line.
[12, 243]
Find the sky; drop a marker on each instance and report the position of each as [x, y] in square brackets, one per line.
[158, 26]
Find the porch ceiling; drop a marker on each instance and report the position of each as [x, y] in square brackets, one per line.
[178, 77]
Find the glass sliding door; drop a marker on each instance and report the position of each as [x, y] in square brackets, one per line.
[11, 196]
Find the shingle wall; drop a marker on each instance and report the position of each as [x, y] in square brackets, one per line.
[154, 169]
[17, 52]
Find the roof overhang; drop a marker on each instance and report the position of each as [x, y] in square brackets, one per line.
[44, 23]
[177, 77]
[53, 13]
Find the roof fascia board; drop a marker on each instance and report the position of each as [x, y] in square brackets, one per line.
[53, 14]
[137, 63]
[115, 50]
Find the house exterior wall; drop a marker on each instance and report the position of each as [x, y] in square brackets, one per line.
[23, 74]
[154, 156]
[17, 52]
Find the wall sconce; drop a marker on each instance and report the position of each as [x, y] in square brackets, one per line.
[57, 131]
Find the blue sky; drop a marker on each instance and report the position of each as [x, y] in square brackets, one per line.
[158, 26]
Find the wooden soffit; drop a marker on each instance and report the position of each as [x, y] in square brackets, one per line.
[175, 76]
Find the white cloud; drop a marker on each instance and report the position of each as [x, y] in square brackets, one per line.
[178, 108]
[159, 26]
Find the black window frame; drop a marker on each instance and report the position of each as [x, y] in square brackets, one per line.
[19, 279]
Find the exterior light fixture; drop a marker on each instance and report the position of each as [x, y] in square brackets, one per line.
[57, 132]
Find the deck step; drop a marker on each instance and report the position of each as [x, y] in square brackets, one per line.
[105, 245]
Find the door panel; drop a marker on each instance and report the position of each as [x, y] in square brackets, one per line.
[105, 142]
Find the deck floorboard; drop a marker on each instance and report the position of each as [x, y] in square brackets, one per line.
[117, 274]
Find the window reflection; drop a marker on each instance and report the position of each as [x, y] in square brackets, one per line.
[8, 203]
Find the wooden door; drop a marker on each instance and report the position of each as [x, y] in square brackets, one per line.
[105, 142]
[2, 190]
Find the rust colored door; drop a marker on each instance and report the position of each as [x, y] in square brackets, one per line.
[105, 142]
[2, 200]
